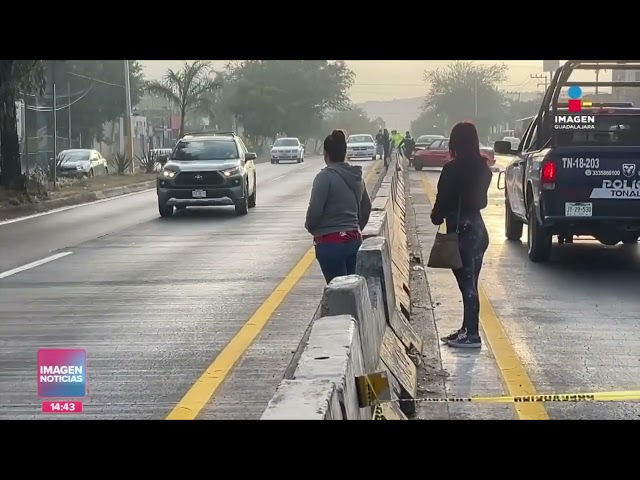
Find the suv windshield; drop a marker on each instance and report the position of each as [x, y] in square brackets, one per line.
[205, 150]
[286, 142]
[360, 139]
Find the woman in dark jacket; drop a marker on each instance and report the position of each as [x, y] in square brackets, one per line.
[338, 210]
[462, 193]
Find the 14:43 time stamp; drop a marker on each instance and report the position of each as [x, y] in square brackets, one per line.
[61, 407]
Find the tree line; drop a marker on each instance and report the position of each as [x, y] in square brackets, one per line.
[465, 90]
[302, 98]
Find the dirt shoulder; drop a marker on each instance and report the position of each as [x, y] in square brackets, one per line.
[17, 204]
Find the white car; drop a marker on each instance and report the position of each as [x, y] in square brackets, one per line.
[287, 149]
[361, 146]
[515, 142]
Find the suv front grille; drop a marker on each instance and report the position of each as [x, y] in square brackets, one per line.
[199, 179]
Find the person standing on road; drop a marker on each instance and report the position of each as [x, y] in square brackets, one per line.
[462, 194]
[386, 146]
[379, 146]
[408, 146]
[338, 210]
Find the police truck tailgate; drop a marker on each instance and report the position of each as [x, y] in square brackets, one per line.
[596, 181]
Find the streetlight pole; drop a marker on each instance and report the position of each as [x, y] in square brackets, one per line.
[475, 90]
[128, 121]
[69, 111]
[55, 123]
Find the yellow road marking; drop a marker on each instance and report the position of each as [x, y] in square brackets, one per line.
[205, 387]
[513, 372]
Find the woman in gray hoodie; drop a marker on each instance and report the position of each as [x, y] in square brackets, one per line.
[339, 209]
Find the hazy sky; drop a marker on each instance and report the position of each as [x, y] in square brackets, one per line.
[390, 79]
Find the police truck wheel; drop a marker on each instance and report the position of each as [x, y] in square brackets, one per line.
[540, 240]
[512, 224]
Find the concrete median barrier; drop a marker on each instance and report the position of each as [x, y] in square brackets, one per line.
[363, 327]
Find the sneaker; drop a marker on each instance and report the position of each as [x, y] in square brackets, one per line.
[465, 341]
[451, 336]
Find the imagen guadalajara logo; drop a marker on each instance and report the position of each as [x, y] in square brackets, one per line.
[575, 121]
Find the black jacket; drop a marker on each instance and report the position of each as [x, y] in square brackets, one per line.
[461, 182]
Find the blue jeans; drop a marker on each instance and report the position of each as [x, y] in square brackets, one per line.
[337, 259]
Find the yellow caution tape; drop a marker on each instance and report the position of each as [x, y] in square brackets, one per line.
[622, 396]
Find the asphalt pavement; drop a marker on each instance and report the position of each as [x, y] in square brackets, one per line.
[155, 301]
[567, 326]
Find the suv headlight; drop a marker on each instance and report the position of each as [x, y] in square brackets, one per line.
[168, 174]
[231, 171]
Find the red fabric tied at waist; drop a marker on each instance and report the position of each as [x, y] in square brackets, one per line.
[338, 237]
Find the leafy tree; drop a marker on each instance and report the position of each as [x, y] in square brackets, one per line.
[187, 89]
[353, 121]
[105, 100]
[429, 122]
[17, 77]
[271, 97]
[455, 90]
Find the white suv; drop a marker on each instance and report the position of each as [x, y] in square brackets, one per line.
[361, 146]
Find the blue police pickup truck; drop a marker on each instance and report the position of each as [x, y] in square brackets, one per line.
[577, 169]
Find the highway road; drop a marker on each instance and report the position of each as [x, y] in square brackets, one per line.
[566, 326]
[164, 307]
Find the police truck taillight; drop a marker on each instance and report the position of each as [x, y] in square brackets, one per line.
[548, 175]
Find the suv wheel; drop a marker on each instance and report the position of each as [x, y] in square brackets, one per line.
[165, 210]
[540, 240]
[252, 197]
[512, 224]
[242, 206]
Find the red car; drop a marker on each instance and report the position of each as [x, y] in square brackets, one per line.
[437, 154]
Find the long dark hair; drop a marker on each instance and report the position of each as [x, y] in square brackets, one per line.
[464, 143]
[464, 147]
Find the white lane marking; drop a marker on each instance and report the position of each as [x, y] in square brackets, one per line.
[62, 209]
[37, 263]
[281, 176]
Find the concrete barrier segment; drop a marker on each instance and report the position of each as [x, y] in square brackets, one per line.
[304, 400]
[374, 262]
[334, 353]
[349, 295]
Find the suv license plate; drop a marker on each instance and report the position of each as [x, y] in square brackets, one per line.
[578, 209]
[199, 194]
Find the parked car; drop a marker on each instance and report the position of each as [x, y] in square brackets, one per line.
[514, 141]
[81, 162]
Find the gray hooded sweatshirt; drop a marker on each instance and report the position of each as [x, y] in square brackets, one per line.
[339, 200]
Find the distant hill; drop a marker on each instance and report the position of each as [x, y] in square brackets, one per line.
[398, 113]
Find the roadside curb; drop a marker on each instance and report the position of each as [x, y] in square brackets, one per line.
[10, 213]
[78, 199]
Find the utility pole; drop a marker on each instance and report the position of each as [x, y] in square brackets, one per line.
[128, 122]
[542, 77]
[475, 92]
[55, 123]
[69, 110]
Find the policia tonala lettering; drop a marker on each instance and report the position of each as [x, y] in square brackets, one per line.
[618, 189]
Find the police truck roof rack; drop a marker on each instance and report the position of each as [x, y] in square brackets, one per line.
[208, 133]
[549, 107]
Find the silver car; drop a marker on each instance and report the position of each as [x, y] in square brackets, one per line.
[289, 149]
[81, 162]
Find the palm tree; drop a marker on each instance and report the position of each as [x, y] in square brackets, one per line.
[187, 89]
[17, 77]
